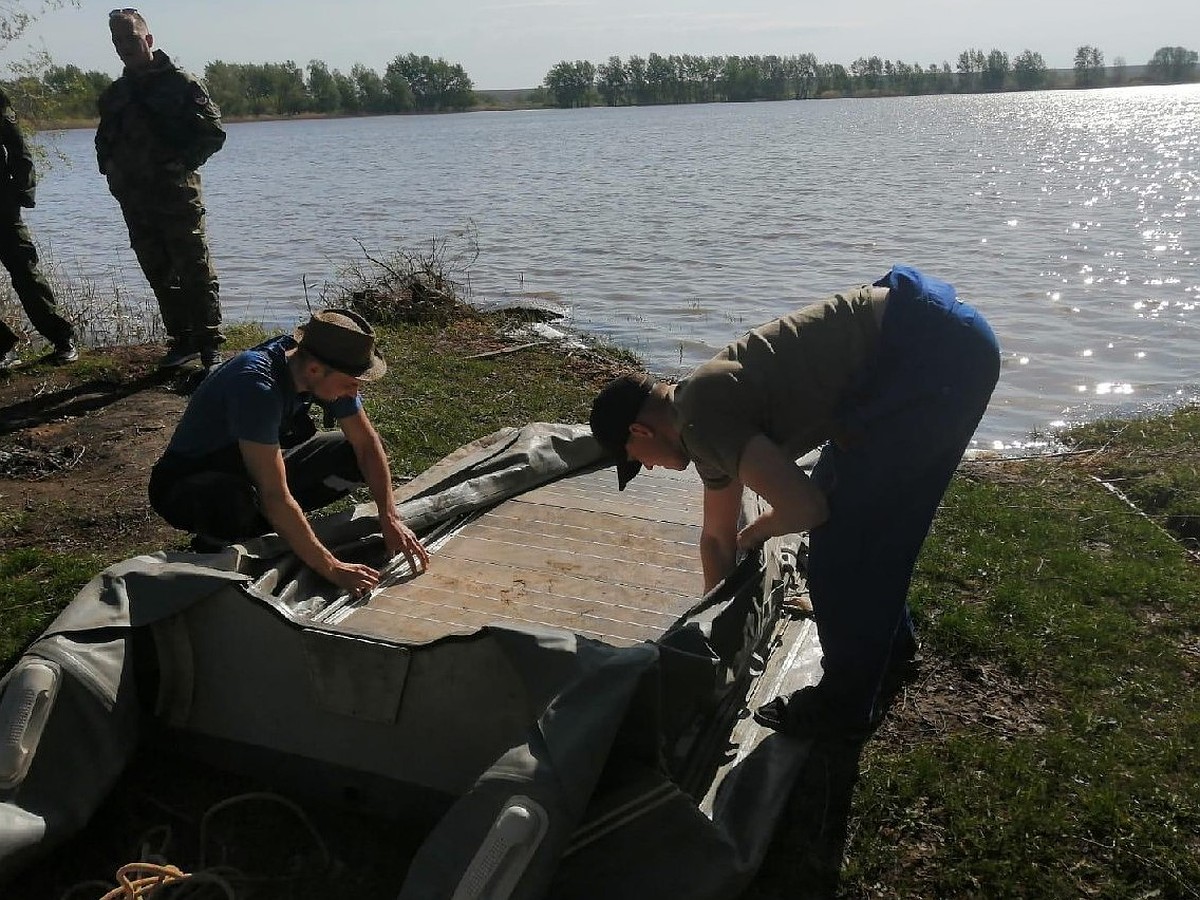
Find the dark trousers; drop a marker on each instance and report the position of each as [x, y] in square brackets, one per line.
[20, 257]
[937, 366]
[166, 232]
[214, 495]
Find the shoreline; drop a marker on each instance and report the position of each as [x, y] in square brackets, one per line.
[92, 123]
[72, 124]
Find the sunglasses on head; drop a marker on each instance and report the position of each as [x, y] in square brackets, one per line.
[129, 10]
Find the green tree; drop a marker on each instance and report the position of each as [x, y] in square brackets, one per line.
[947, 79]
[323, 88]
[636, 68]
[71, 93]
[691, 77]
[227, 84]
[612, 80]
[1029, 71]
[571, 83]
[458, 91]
[773, 83]
[347, 89]
[435, 84]
[995, 71]
[1089, 67]
[832, 78]
[806, 76]
[1172, 65]
[710, 69]
[257, 89]
[398, 87]
[660, 79]
[740, 78]
[289, 92]
[372, 96]
[971, 64]
[918, 80]
[869, 73]
[64, 80]
[34, 104]
[933, 79]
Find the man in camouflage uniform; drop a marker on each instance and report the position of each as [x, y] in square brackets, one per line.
[17, 183]
[157, 127]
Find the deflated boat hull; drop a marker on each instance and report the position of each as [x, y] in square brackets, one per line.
[553, 682]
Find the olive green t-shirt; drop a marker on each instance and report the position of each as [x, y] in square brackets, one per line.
[783, 380]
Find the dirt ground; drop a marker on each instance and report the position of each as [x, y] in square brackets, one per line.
[76, 448]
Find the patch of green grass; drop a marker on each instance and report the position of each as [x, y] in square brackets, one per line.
[37, 585]
[1155, 462]
[12, 520]
[1053, 564]
[1095, 611]
[1046, 817]
[93, 365]
[243, 336]
[433, 400]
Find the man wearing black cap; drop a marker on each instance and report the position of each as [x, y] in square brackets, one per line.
[246, 458]
[892, 379]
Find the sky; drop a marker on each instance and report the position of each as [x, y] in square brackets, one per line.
[506, 44]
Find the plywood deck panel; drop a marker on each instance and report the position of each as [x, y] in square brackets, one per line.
[576, 554]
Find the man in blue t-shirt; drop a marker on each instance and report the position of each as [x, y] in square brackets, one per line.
[246, 458]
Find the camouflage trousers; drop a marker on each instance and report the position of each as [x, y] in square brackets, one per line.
[20, 257]
[166, 232]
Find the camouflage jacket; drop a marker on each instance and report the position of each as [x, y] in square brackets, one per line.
[17, 179]
[157, 123]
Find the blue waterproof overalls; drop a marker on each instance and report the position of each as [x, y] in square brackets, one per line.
[913, 415]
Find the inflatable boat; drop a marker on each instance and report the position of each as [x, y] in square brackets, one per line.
[553, 684]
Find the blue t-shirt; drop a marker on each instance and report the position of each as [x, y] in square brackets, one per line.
[251, 397]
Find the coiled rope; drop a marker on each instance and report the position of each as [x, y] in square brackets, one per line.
[153, 876]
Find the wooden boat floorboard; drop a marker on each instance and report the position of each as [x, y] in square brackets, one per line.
[575, 554]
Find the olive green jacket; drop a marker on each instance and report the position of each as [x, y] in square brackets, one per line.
[17, 178]
[156, 124]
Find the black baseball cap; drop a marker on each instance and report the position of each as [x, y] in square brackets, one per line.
[613, 411]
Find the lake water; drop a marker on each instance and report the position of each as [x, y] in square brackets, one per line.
[1070, 218]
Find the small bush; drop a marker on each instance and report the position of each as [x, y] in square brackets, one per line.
[423, 287]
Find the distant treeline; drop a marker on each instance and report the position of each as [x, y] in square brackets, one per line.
[706, 79]
[412, 83]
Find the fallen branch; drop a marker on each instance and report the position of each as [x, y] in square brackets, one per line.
[505, 350]
[1124, 498]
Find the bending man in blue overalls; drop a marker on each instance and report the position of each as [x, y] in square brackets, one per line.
[893, 379]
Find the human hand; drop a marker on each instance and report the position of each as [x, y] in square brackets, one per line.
[399, 538]
[750, 538]
[355, 578]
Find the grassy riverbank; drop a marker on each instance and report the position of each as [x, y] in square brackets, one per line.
[1048, 747]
